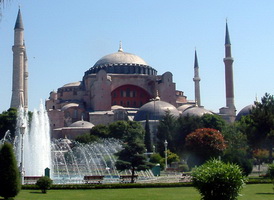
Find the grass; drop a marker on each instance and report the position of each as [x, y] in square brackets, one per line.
[250, 192]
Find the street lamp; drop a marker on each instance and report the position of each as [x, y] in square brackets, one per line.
[22, 131]
[165, 143]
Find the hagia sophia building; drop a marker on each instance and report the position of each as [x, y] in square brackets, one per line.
[119, 86]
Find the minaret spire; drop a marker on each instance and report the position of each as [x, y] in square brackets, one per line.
[228, 61]
[19, 69]
[197, 80]
[19, 21]
[227, 38]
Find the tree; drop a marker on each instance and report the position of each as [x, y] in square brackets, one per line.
[166, 131]
[203, 144]
[217, 180]
[156, 158]
[100, 130]
[185, 126]
[148, 137]
[259, 125]
[86, 138]
[213, 121]
[126, 130]
[9, 174]
[172, 157]
[44, 183]
[237, 150]
[132, 157]
[8, 122]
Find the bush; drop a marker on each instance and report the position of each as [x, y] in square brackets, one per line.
[184, 168]
[216, 180]
[270, 171]
[44, 183]
[9, 174]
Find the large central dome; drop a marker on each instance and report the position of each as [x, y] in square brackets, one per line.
[122, 63]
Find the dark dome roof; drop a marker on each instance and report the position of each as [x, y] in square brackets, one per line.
[156, 110]
[122, 63]
[195, 111]
[245, 111]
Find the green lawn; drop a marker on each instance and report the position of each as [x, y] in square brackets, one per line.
[250, 192]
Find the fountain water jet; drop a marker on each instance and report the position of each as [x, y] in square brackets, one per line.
[36, 142]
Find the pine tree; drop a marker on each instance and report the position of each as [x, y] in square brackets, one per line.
[9, 174]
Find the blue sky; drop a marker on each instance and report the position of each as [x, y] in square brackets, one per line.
[64, 38]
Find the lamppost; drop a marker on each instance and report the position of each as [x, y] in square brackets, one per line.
[22, 131]
[165, 143]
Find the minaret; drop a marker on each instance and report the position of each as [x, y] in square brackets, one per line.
[228, 61]
[18, 77]
[197, 80]
[26, 75]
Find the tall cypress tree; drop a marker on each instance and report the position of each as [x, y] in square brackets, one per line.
[9, 174]
[147, 137]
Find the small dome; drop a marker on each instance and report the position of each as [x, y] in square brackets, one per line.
[115, 107]
[155, 110]
[245, 111]
[182, 108]
[195, 111]
[74, 84]
[69, 105]
[81, 124]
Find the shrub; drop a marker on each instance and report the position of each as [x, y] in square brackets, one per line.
[270, 171]
[216, 180]
[44, 183]
[9, 174]
[184, 168]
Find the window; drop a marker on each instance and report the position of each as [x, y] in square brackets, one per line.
[128, 92]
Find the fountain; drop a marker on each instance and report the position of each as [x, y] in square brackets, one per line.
[67, 160]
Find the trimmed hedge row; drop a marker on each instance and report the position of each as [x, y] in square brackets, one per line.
[130, 185]
[109, 186]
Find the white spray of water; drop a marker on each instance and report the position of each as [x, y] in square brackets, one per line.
[37, 147]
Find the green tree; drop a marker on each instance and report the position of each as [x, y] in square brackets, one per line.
[186, 125]
[166, 131]
[237, 150]
[126, 130]
[156, 158]
[44, 183]
[8, 122]
[259, 125]
[9, 174]
[148, 143]
[203, 144]
[100, 130]
[172, 157]
[86, 138]
[216, 180]
[132, 158]
[213, 121]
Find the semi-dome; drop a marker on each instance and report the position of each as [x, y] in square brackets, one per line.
[155, 110]
[196, 111]
[245, 111]
[81, 124]
[122, 63]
